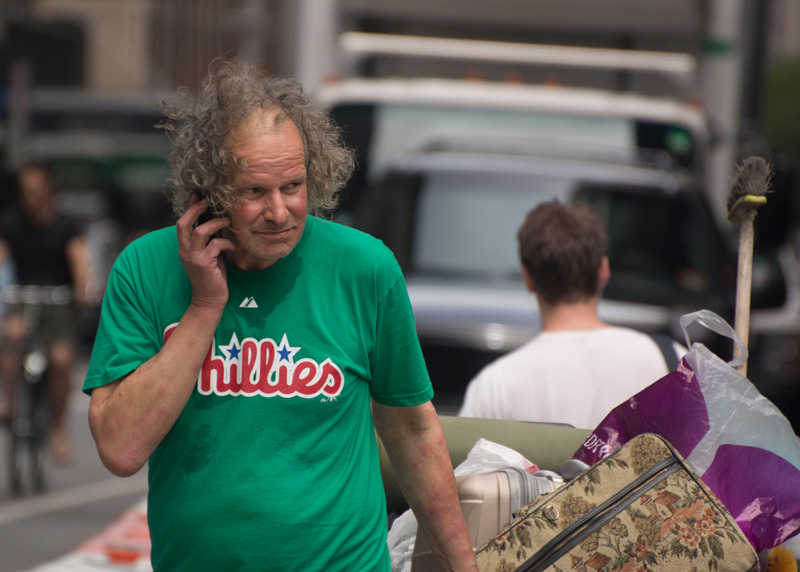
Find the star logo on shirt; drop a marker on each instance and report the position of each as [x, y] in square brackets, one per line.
[232, 349]
[285, 351]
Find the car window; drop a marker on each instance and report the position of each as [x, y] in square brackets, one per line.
[657, 243]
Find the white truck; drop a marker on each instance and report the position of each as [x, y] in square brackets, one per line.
[386, 118]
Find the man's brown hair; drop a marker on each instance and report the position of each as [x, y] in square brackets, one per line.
[562, 247]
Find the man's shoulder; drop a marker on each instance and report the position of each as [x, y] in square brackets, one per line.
[65, 226]
[161, 236]
[10, 212]
[348, 240]
[340, 230]
[10, 218]
[525, 358]
[638, 336]
[152, 247]
[646, 345]
[548, 347]
[629, 333]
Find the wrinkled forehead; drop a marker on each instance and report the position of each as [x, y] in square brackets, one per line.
[256, 124]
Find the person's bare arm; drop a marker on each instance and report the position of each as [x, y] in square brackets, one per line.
[415, 442]
[78, 260]
[131, 416]
[5, 253]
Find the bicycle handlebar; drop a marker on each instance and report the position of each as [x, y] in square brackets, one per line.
[39, 295]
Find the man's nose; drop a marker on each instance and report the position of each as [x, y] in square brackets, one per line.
[275, 207]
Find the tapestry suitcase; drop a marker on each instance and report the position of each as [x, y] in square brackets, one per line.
[488, 502]
[640, 508]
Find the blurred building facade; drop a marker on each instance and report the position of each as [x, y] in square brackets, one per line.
[146, 46]
[785, 24]
[142, 44]
[162, 44]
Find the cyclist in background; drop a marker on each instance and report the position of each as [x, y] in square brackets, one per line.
[45, 248]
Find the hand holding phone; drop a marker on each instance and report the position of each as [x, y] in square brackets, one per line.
[201, 255]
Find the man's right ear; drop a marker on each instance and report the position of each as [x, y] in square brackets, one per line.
[604, 273]
[528, 279]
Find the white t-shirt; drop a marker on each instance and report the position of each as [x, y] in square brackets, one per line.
[573, 377]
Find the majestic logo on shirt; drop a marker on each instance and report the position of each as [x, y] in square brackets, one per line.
[248, 302]
[262, 367]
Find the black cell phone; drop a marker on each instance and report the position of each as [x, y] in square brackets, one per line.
[207, 215]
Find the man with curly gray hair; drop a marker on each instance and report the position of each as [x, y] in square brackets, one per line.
[248, 359]
[199, 131]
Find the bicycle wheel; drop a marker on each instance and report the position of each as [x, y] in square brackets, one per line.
[18, 443]
[40, 432]
[27, 445]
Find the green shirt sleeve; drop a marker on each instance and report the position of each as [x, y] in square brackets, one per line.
[399, 375]
[127, 334]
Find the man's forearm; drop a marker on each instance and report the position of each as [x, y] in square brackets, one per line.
[131, 416]
[417, 449]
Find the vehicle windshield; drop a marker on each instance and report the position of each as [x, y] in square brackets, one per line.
[463, 225]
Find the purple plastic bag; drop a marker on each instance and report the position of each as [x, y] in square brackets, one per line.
[734, 438]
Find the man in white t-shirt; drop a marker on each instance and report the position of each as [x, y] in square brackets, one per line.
[578, 368]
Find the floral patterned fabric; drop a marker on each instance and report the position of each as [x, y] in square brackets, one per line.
[667, 520]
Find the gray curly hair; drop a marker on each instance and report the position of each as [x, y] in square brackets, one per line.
[198, 126]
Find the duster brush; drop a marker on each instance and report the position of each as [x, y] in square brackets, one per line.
[748, 191]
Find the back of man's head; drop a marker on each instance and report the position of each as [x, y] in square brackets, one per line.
[562, 247]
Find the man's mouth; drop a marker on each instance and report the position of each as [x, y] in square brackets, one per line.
[275, 234]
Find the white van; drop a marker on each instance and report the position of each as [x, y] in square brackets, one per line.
[385, 119]
[384, 116]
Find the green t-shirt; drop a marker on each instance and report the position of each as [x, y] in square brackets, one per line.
[273, 463]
